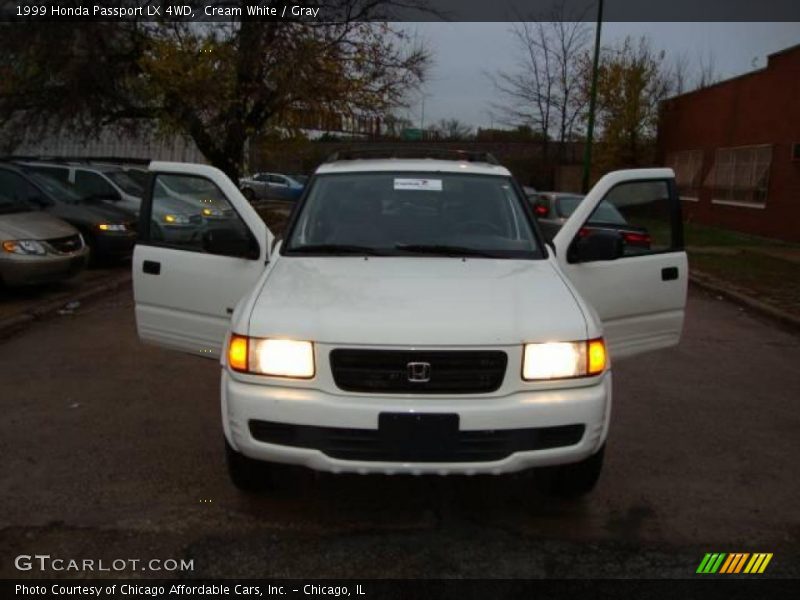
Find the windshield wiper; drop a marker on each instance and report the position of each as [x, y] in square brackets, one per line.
[338, 249]
[445, 250]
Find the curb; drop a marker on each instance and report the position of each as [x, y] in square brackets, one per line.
[717, 286]
[17, 322]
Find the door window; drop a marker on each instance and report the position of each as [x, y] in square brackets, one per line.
[199, 219]
[643, 217]
[277, 180]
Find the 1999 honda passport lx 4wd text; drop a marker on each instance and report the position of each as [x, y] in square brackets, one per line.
[414, 321]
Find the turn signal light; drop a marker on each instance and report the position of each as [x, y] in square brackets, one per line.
[238, 352]
[597, 357]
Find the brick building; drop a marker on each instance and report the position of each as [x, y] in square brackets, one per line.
[735, 149]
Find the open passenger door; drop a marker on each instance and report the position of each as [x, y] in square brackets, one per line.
[622, 248]
[201, 248]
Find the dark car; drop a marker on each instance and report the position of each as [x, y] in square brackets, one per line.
[553, 208]
[109, 231]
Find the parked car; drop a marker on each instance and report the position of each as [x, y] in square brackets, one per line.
[175, 218]
[412, 321]
[95, 182]
[109, 231]
[138, 174]
[552, 209]
[271, 186]
[36, 247]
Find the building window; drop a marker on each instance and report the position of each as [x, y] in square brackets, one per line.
[687, 165]
[741, 176]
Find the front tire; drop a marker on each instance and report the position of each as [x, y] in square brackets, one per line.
[577, 479]
[247, 474]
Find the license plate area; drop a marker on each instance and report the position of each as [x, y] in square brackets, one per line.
[415, 436]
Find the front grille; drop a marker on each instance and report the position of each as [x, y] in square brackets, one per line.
[375, 445]
[66, 245]
[449, 371]
[196, 220]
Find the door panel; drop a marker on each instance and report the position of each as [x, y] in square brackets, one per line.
[195, 258]
[641, 294]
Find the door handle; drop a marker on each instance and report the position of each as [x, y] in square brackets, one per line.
[669, 273]
[152, 267]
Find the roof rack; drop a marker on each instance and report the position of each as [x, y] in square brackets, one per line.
[412, 152]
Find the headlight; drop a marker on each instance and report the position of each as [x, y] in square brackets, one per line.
[176, 219]
[24, 247]
[562, 360]
[212, 212]
[277, 358]
[112, 227]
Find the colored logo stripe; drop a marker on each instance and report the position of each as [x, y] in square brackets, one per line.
[758, 563]
[733, 563]
[711, 563]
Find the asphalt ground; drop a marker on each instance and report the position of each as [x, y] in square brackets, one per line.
[113, 449]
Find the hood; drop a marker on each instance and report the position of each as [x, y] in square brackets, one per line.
[91, 213]
[33, 226]
[416, 301]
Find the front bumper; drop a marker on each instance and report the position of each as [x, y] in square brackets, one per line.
[243, 402]
[115, 245]
[19, 270]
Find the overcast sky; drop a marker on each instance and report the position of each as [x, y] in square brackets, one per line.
[463, 52]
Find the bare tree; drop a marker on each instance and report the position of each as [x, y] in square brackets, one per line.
[707, 71]
[453, 129]
[542, 90]
[680, 73]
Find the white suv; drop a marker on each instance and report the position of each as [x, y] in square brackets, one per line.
[414, 321]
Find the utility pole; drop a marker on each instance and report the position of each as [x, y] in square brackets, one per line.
[587, 151]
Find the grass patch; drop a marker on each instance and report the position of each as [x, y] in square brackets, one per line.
[703, 235]
[771, 280]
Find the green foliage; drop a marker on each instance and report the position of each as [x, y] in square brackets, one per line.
[632, 82]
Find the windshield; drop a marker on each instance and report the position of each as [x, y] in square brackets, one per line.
[139, 176]
[125, 182]
[604, 213]
[405, 213]
[55, 188]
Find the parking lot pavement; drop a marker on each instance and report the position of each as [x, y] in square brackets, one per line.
[14, 301]
[112, 449]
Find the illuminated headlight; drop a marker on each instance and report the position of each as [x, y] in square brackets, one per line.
[112, 227]
[563, 360]
[212, 212]
[176, 219]
[24, 247]
[277, 358]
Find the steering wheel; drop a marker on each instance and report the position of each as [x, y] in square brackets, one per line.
[475, 226]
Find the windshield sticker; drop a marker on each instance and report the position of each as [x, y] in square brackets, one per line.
[426, 185]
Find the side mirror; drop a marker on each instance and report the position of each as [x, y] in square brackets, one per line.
[596, 244]
[230, 242]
